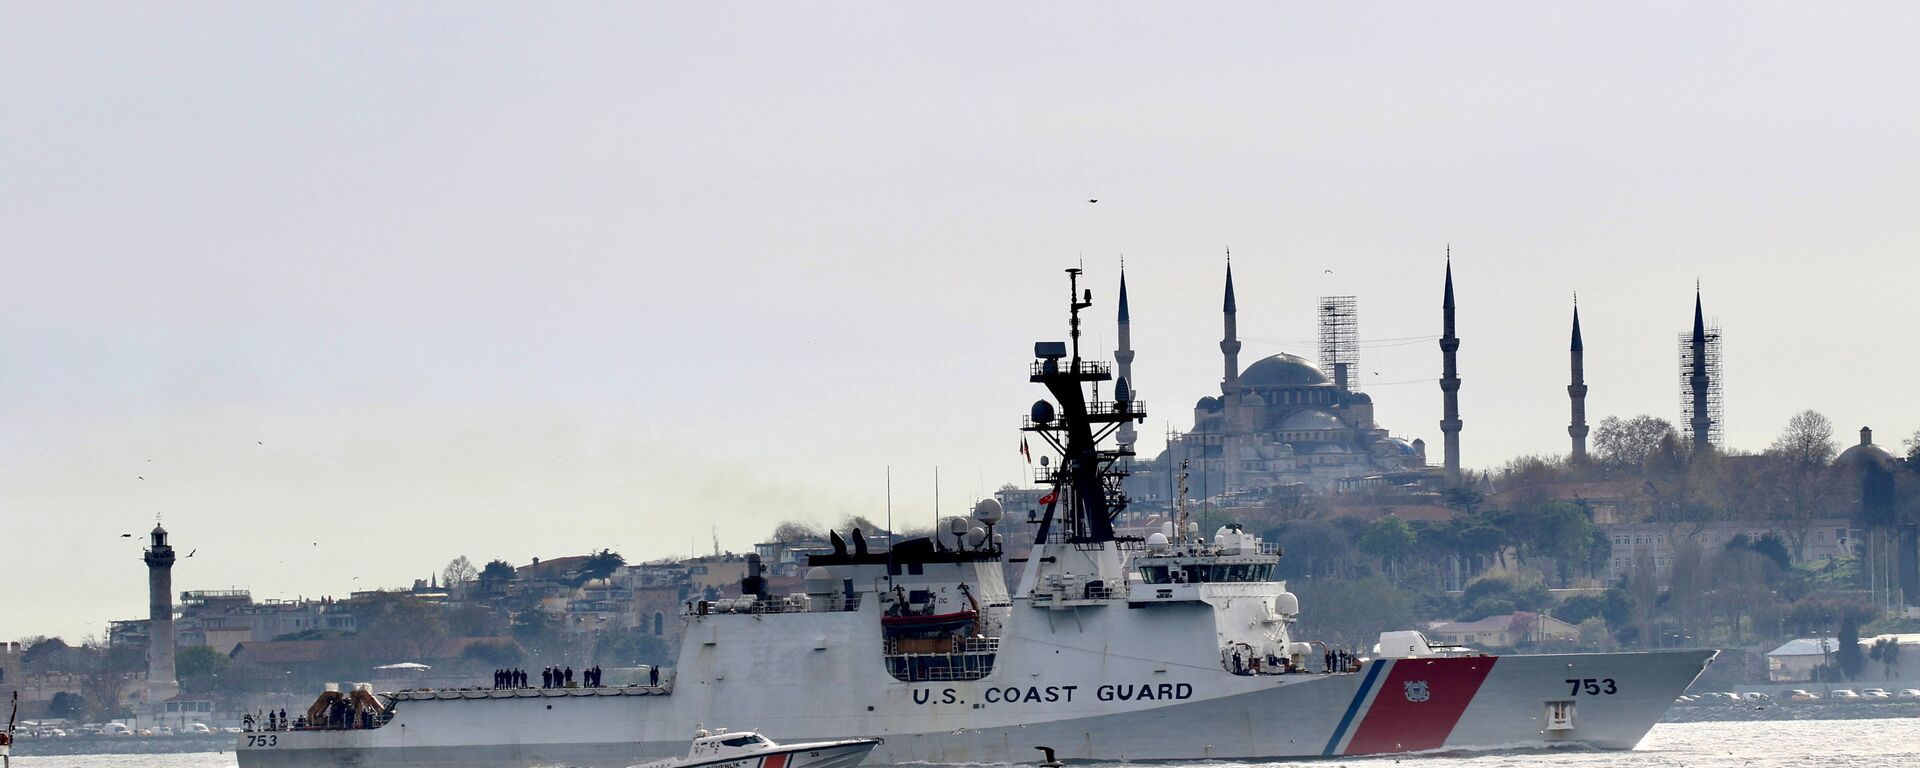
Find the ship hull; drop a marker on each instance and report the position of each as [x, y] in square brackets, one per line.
[1403, 705]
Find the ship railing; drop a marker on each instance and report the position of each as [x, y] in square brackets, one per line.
[1117, 408]
[965, 645]
[787, 604]
[1086, 368]
[939, 667]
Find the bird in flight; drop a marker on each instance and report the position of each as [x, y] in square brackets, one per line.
[190, 554]
[1095, 200]
[138, 477]
[126, 535]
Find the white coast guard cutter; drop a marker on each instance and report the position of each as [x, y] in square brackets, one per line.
[1176, 647]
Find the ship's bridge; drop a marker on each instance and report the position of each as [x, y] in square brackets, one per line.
[1204, 569]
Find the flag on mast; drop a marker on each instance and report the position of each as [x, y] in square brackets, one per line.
[1024, 451]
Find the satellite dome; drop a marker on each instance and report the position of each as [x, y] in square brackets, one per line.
[1042, 412]
[988, 511]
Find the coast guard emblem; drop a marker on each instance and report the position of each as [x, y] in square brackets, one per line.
[1417, 691]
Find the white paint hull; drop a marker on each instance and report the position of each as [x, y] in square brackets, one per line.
[1068, 679]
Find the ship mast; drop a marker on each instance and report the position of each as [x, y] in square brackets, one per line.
[1087, 479]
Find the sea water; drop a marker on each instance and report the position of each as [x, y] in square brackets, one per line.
[1881, 743]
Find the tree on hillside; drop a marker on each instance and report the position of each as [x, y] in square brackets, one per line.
[1848, 655]
[1313, 548]
[47, 654]
[201, 669]
[458, 573]
[395, 627]
[1628, 443]
[1886, 650]
[1389, 539]
[106, 673]
[1563, 532]
[1352, 612]
[497, 571]
[796, 531]
[599, 565]
[67, 705]
[1808, 439]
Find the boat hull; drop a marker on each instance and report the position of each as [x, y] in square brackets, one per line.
[1405, 705]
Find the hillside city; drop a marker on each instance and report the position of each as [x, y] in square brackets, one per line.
[1645, 545]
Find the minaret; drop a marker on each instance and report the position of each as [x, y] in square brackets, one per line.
[1230, 383]
[1577, 391]
[1450, 378]
[1702, 422]
[1124, 356]
[161, 684]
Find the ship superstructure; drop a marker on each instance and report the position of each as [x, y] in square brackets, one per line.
[1176, 645]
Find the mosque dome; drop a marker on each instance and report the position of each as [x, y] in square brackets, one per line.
[1207, 404]
[1306, 421]
[1864, 453]
[1283, 370]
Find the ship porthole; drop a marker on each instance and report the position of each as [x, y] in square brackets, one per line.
[549, 706]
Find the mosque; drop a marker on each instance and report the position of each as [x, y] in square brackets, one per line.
[1280, 422]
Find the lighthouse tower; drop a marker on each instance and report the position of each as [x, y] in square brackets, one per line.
[161, 683]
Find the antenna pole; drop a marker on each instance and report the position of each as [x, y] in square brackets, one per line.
[889, 529]
[936, 503]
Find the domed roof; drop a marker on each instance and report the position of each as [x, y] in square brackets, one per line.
[1207, 404]
[1283, 370]
[1865, 452]
[1311, 420]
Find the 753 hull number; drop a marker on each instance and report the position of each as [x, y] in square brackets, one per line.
[1592, 686]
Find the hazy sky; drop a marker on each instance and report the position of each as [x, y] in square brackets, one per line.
[357, 289]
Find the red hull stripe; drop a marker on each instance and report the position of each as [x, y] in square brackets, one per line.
[1399, 721]
[774, 761]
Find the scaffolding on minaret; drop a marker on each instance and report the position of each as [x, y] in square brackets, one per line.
[1340, 340]
[1690, 400]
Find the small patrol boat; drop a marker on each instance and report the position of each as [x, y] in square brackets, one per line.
[747, 749]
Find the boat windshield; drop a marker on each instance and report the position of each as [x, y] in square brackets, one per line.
[744, 740]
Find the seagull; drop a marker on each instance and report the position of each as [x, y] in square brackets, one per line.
[1095, 200]
[1327, 271]
[257, 442]
[139, 477]
[1049, 761]
[126, 535]
[190, 554]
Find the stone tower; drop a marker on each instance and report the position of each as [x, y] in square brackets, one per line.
[161, 684]
[1124, 357]
[1230, 383]
[1450, 378]
[1577, 391]
[1701, 425]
